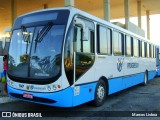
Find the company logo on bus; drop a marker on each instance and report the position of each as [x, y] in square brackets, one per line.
[120, 64]
[31, 87]
[21, 85]
[132, 65]
[27, 87]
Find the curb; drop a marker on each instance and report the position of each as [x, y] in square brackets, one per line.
[6, 100]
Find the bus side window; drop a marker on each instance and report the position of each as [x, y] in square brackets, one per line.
[118, 43]
[145, 46]
[128, 46]
[136, 47]
[140, 48]
[79, 40]
[103, 40]
[148, 52]
[154, 49]
[143, 49]
[92, 41]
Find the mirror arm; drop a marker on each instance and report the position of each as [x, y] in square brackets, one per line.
[75, 39]
[80, 22]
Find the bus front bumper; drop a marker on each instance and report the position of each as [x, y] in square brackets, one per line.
[63, 98]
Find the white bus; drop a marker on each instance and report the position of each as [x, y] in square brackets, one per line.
[66, 57]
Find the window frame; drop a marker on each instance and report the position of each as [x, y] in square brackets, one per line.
[147, 51]
[126, 54]
[154, 52]
[137, 47]
[108, 42]
[91, 42]
[121, 36]
[143, 49]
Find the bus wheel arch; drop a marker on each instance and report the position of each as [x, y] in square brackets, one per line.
[101, 92]
[106, 84]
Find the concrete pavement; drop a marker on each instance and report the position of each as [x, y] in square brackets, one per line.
[4, 99]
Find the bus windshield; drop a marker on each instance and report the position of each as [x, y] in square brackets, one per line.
[30, 58]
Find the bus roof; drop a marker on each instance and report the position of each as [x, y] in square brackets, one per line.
[92, 17]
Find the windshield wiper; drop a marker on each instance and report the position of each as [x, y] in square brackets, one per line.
[42, 33]
[26, 36]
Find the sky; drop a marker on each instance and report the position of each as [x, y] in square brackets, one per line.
[154, 26]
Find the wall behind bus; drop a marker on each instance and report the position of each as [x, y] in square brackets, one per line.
[22, 7]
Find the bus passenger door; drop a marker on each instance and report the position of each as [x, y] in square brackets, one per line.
[83, 63]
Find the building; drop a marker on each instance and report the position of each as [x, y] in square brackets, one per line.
[105, 9]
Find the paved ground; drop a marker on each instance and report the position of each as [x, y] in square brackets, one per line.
[135, 99]
[1, 88]
[3, 98]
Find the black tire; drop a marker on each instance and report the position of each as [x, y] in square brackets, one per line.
[100, 94]
[145, 78]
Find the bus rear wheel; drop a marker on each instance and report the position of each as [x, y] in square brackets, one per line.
[100, 94]
[145, 79]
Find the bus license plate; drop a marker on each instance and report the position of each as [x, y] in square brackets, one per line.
[26, 95]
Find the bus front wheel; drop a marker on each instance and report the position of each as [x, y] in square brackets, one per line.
[100, 94]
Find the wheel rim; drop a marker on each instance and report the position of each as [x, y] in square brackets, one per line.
[100, 93]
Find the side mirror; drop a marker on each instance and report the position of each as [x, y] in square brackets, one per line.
[85, 34]
[81, 23]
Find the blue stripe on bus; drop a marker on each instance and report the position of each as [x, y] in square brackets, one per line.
[118, 84]
[86, 94]
[115, 85]
[151, 74]
[63, 98]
